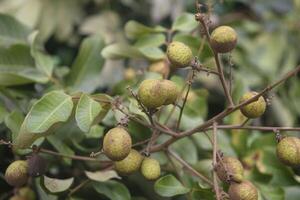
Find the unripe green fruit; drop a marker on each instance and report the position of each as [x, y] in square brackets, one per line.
[179, 54]
[117, 144]
[129, 74]
[288, 151]
[17, 197]
[17, 173]
[151, 93]
[160, 67]
[154, 93]
[170, 88]
[223, 39]
[26, 193]
[231, 168]
[254, 109]
[130, 164]
[150, 168]
[243, 191]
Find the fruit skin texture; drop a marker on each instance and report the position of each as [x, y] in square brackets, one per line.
[130, 164]
[154, 93]
[160, 67]
[254, 109]
[230, 167]
[17, 173]
[223, 39]
[26, 193]
[243, 191]
[150, 168]
[117, 144]
[179, 54]
[288, 151]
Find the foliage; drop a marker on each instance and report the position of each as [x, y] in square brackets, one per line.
[64, 82]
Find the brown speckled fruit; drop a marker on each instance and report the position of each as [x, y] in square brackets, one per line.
[151, 93]
[288, 151]
[172, 91]
[117, 144]
[254, 109]
[17, 173]
[160, 67]
[154, 93]
[243, 191]
[223, 39]
[130, 164]
[230, 168]
[27, 193]
[179, 54]
[150, 168]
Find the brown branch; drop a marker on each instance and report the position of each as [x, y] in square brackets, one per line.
[78, 187]
[226, 112]
[201, 18]
[257, 128]
[215, 178]
[190, 168]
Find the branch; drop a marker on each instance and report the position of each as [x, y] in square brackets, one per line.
[190, 168]
[258, 128]
[215, 178]
[226, 111]
[200, 18]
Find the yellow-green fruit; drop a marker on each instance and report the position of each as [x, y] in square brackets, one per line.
[223, 39]
[179, 54]
[243, 191]
[288, 151]
[130, 164]
[160, 67]
[129, 74]
[254, 109]
[17, 197]
[230, 169]
[154, 93]
[171, 89]
[27, 193]
[151, 93]
[117, 144]
[17, 173]
[150, 168]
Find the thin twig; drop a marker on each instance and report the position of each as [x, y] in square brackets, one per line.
[78, 187]
[215, 178]
[226, 112]
[190, 168]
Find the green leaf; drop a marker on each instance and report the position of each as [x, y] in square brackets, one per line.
[102, 176]
[87, 66]
[17, 67]
[61, 147]
[14, 121]
[12, 31]
[54, 185]
[43, 62]
[113, 190]
[119, 51]
[86, 112]
[3, 112]
[185, 22]
[151, 40]
[54, 107]
[135, 29]
[152, 53]
[186, 149]
[96, 131]
[169, 186]
[270, 192]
